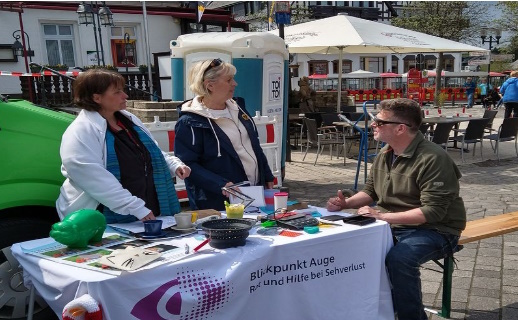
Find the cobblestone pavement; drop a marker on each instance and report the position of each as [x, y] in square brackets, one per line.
[485, 281]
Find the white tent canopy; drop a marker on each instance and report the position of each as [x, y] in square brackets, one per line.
[343, 33]
[357, 35]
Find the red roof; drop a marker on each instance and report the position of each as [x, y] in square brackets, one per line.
[318, 76]
[389, 75]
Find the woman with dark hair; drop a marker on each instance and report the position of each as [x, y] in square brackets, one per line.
[110, 160]
[217, 138]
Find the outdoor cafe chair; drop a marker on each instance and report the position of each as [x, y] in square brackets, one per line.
[490, 114]
[441, 134]
[321, 139]
[424, 129]
[474, 133]
[507, 131]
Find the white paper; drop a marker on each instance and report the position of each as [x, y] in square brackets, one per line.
[255, 192]
[138, 226]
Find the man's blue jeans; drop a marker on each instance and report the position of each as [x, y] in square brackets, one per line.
[470, 99]
[412, 248]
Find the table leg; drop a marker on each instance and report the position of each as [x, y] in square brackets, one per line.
[30, 311]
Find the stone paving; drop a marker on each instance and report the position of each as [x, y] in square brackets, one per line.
[485, 281]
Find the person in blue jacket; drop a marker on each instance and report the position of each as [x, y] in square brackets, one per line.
[509, 92]
[217, 138]
[470, 87]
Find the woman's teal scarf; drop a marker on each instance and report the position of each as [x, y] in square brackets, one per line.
[167, 198]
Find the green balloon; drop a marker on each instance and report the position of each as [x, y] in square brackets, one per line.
[79, 228]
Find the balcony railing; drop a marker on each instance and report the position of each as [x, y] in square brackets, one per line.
[56, 90]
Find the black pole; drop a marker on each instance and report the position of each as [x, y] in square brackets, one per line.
[95, 37]
[99, 30]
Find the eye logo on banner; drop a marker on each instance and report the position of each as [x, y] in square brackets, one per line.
[190, 295]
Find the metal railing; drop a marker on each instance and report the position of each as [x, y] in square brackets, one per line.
[56, 89]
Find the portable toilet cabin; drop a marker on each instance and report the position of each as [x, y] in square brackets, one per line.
[261, 60]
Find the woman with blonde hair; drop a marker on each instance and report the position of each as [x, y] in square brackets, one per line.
[217, 138]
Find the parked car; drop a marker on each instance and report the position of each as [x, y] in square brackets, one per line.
[30, 179]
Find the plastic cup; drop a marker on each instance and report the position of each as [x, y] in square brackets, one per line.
[280, 200]
[235, 211]
[439, 111]
[183, 220]
[152, 227]
[268, 198]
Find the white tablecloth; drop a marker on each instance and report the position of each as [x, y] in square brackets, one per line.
[338, 273]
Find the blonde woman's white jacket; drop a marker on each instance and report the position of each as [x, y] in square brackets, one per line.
[88, 182]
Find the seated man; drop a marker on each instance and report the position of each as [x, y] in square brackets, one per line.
[416, 186]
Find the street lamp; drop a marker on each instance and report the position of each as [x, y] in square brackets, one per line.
[490, 35]
[88, 13]
[20, 50]
[129, 50]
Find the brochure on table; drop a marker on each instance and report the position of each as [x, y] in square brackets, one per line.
[89, 257]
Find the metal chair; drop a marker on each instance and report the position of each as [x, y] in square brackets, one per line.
[424, 129]
[507, 131]
[441, 134]
[489, 114]
[321, 139]
[474, 133]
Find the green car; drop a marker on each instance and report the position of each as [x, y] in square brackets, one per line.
[30, 179]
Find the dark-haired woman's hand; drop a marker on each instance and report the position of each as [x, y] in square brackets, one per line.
[150, 216]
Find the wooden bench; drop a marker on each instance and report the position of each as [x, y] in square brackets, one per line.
[475, 230]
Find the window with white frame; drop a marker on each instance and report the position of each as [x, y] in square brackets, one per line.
[118, 46]
[59, 44]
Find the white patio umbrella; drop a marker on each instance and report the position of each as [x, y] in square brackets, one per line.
[343, 33]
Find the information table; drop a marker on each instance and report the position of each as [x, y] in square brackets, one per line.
[338, 273]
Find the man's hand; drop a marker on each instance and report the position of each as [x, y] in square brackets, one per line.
[183, 172]
[369, 212]
[337, 203]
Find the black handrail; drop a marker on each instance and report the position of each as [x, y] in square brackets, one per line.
[72, 79]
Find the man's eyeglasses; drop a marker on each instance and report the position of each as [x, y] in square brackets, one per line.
[380, 123]
[214, 63]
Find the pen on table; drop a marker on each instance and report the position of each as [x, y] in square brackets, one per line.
[121, 230]
[201, 245]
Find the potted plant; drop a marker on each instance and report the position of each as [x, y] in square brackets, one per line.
[142, 68]
[58, 67]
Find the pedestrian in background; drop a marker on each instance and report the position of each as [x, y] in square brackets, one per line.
[485, 89]
[509, 92]
[217, 138]
[110, 160]
[470, 86]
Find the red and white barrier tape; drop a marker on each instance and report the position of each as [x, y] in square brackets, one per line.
[38, 74]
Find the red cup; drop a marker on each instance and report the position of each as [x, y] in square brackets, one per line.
[427, 112]
[463, 109]
[457, 114]
[439, 111]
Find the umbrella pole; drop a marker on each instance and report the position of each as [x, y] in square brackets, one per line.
[339, 99]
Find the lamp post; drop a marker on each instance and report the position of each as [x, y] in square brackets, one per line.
[20, 49]
[88, 14]
[129, 51]
[490, 35]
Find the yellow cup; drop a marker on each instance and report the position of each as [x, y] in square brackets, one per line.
[235, 211]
